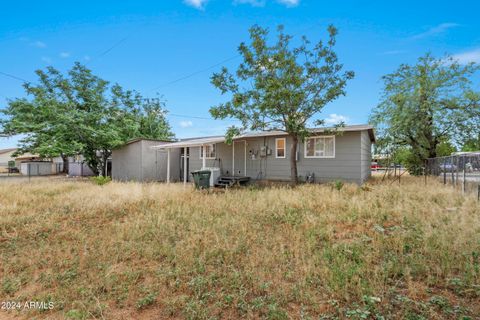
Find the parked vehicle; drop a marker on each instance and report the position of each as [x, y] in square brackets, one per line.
[448, 167]
[468, 167]
[393, 166]
[13, 170]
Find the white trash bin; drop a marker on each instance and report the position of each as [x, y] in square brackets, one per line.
[214, 174]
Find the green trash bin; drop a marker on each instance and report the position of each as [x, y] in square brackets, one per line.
[201, 179]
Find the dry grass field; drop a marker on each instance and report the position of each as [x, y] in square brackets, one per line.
[155, 251]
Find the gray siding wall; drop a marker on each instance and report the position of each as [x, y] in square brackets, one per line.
[137, 161]
[126, 162]
[78, 169]
[155, 166]
[195, 160]
[223, 158]
[351, 162]
[366, 156]
[345, 165]
[149, 166]
[154, 163]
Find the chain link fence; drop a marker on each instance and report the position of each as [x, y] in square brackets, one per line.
[462, 171]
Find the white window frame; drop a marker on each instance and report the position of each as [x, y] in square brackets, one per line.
[284, 148]
[207, 157]
[319, 137]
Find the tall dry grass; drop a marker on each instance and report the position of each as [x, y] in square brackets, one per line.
[155, 251]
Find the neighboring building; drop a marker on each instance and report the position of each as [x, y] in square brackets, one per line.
[138, 161]
[466, 153]
[37, 164]
[260, 156]
[5, 158]
[26, 157]
[77, 167]
[40, 168]
[6, 155]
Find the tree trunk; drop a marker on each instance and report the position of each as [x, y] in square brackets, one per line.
[93, 161]
[293, 161]
[104, 164]
[432, 153]
[105, 156]
[65, 163]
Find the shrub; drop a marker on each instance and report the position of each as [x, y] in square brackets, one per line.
[76, 314]
[147, 300]
[101, 180]
[338, 184]
[9, 286]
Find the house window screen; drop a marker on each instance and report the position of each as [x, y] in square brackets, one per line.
[280, 145]
[210, 151]
[320, 147]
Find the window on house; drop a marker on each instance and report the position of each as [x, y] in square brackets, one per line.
[320, 147]
[210, 152]
[280, 147]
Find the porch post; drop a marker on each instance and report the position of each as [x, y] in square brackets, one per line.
[245, 161]
[233, 158]
[185, 165]
[204, 153]
[168, 165]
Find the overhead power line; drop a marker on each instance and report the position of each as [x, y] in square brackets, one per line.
[13, 76]
[196, 72]
[215, 65]
[116, 44]
[197, 117]
[103, 53]
[204, 70]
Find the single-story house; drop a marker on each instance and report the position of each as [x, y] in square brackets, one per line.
[323, 156]
[6, 158]
[138, 161]
[31, 164]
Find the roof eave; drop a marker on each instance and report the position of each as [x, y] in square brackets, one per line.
[191, 143]
[217, 139]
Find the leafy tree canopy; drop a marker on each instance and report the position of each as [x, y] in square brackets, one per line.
[471, 143]
[445, 148]
[426, 104]
[280, 86]
[80, 113]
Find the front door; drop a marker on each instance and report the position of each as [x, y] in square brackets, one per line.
[239, 158]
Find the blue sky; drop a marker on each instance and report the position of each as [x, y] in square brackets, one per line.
[149, 45]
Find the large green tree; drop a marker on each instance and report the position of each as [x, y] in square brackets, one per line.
[425, 104]
[471, 143]
[280, 86]
[80, 113]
